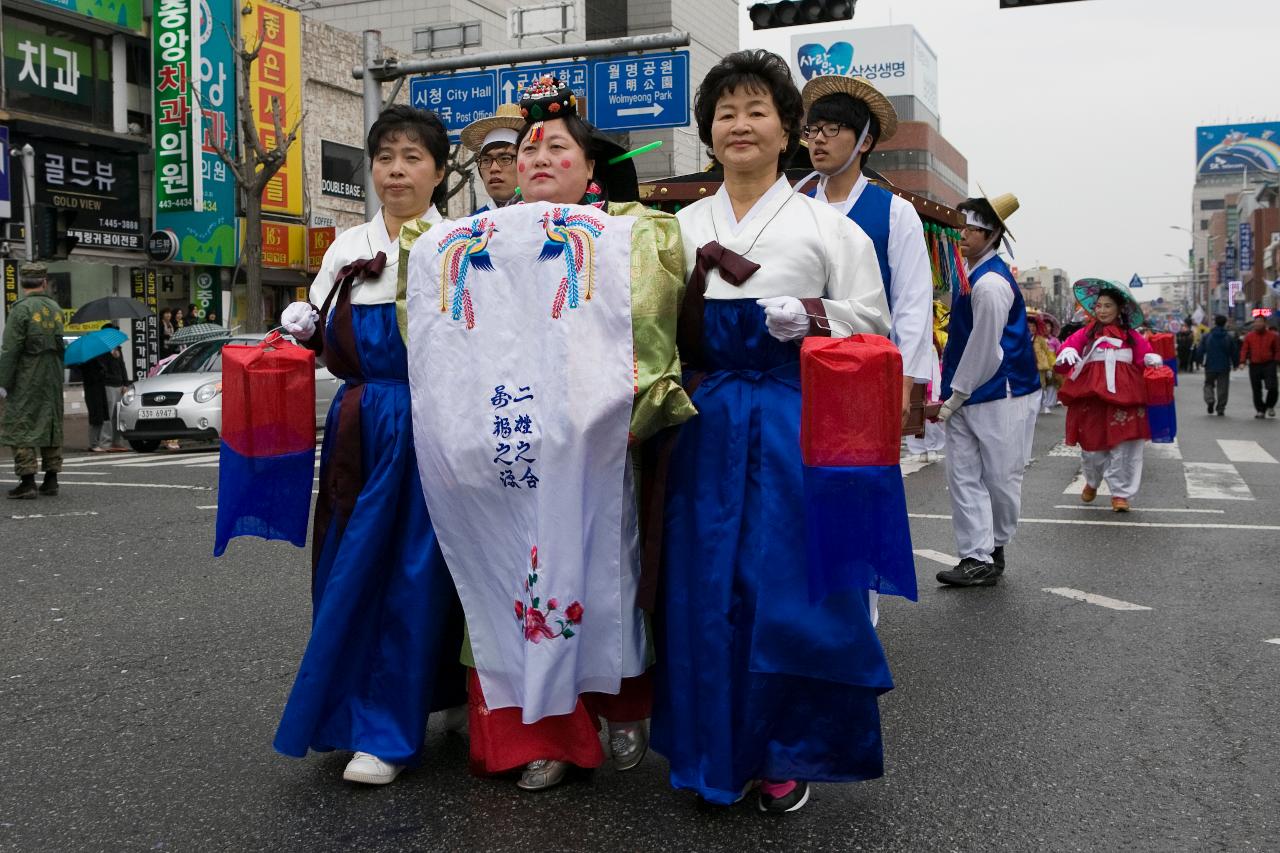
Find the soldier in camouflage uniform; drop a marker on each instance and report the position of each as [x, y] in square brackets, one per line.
[31, 380]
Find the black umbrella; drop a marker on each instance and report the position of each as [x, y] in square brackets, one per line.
[111, 308]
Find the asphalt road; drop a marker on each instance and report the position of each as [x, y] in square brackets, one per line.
[141, 681]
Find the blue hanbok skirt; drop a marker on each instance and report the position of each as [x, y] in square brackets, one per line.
[386, 623]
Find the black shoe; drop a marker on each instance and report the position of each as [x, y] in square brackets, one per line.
[1260, 415]
[1210, 407]
[25, 490]
[1222, 414]
[997, 559]
[970, 572]
[791, 802]
[50, 485]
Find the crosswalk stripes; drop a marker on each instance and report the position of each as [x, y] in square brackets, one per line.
[1245, 451]
[1215, 481]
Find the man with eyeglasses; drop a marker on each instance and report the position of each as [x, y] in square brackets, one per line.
[493, 139]
[846, 118]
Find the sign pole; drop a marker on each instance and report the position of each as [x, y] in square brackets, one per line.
[372, 106]
[29, 200]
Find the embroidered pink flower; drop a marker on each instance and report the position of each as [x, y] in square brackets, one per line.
[533, 558]
[573, 613]
[535, 626]
[552, 604]
[519, 609]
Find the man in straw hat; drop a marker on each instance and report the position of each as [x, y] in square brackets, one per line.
[493, 140]
[846, 117]
[31, 379]
[990, 392]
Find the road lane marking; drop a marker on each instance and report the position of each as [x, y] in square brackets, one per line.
[1077, 486]
[1091, 523]
[1215, 481]
[145, 486]
[1245, 451]
[1139, 509]
[1276, 641]
[1163, 450]
[1090, 598]
[53, 514]
[936, 556]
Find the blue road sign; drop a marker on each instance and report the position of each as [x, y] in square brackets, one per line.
[5, 206]
[640, 92]
[458, 99]
[575, 75]
[1135, 282]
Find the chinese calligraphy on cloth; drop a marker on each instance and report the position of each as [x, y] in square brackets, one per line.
[522, 373]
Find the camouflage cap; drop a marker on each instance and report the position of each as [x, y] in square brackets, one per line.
[33, 273]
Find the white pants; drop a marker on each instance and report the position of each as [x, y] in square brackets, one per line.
[935, 438]
[988, 447]
[1121, 467]
[1050, 397]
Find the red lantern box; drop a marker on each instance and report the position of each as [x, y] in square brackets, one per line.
[268, 398]
[1159, 385]
[1164, 344]
[852, 401]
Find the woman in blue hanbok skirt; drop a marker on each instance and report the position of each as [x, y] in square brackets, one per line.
[386, 626]
[756, 682]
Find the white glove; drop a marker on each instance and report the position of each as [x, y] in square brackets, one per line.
[299, 319]
[3, 393]
[785, 317]
[1152, 359]
[952, 405]
[1069, 357]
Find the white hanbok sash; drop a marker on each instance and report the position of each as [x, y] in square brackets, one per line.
[1112, 354]
[521, 369]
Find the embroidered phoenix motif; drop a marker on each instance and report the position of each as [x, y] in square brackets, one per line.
[571, 237]
[463, 248]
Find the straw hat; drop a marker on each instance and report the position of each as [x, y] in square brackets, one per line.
[508, 116]
[1004, 205]
[859, 88]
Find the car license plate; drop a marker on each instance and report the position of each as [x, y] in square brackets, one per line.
[150, 414]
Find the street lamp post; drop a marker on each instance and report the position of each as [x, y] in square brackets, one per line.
[1201, 296]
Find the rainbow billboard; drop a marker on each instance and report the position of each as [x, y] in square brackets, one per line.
[1226, 148]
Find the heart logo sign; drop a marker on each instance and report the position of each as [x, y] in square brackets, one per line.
[815, 60]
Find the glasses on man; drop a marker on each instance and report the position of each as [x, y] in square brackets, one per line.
[484, 161]
[811, 131]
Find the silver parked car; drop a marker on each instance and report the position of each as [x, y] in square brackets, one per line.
[185, 399]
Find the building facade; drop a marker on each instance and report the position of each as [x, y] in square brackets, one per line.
[1047, 289]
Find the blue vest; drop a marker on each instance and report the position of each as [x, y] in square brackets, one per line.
[1017, 375]
[871, 213]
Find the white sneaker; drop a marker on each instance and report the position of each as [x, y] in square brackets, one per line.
[370, 770]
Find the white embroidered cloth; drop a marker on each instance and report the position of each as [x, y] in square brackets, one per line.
[521, 368]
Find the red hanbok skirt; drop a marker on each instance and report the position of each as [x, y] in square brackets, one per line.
[1098, 419]
[501, 741]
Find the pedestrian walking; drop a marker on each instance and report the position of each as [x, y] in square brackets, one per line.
[757, 681]
[846, 117]
[1185, 343]
[1219, 353]
[1261, 351]
[991, 393]
[31, 384]
[1105, 391]
[386, 623]
[115, 381]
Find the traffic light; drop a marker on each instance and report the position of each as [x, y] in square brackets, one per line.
[1019, 4]
[795, 13]
[52, 243]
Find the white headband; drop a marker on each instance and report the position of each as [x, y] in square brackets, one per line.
[505, 135]
[971, 217]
